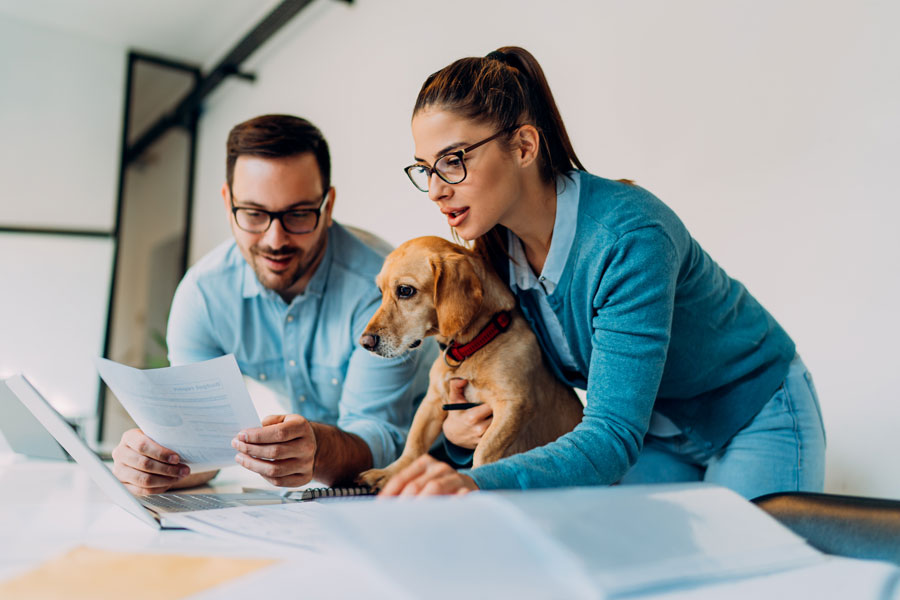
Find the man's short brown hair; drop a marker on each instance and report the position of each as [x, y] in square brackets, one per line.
[277, 136]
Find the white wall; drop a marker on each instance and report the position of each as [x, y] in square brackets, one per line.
[149, 265]
[60, 117]
[772, 128]
[52, 319]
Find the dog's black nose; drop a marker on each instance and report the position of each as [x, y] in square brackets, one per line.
[369, 341]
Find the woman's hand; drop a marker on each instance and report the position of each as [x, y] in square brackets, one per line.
[464, 428]
[428, 477]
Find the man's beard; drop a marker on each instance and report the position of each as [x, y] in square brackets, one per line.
[284, 280]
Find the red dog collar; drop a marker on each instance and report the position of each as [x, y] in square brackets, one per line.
[497, 325]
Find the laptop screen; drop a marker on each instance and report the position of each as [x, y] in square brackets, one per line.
[53, 422]
[24, 434]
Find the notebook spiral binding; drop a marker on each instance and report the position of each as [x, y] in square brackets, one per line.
[331, 492]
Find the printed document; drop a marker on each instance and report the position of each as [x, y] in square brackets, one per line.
[572, 543]
[195, 410]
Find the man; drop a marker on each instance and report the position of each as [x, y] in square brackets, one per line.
[289, 297]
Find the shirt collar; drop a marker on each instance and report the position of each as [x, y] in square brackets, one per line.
[252, 287]
[568, 188]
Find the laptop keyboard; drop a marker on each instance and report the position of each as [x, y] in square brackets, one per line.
[188, 502]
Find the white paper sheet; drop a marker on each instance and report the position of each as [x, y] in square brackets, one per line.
[833, 578]
[629, 539]
[297, 525]
[501, 556]
[564, 543]
[195, 410]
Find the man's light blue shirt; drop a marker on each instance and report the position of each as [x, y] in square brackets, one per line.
[306, 350]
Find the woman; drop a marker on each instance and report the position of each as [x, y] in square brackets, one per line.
[688, 378]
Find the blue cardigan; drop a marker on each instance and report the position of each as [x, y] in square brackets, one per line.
[653, 322]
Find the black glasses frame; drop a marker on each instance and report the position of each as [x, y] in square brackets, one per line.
[279, 215]
[460, 154]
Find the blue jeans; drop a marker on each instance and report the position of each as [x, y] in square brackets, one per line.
[782, 449]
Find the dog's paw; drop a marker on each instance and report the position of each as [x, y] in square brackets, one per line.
[376, 479]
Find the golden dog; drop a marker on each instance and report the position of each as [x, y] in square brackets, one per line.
[433, 287]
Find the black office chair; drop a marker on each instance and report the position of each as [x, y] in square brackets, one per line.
[851, 526]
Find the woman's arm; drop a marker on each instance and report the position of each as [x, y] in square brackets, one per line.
[632, 306]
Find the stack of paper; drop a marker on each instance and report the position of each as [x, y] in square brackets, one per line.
[572, 543]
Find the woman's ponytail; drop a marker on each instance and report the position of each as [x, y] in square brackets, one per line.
[560, 155]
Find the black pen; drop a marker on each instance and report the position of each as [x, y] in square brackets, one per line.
[460, 405]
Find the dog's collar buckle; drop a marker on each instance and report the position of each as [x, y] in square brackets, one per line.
[459, 353]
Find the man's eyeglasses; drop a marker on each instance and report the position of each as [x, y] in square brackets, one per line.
[297, 220]
[450, 167]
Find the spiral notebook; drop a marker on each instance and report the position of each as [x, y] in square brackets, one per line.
[319, 493]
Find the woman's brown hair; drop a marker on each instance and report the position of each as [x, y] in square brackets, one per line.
[506, 88]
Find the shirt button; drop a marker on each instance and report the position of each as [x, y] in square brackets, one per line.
[543, 278]
[334, 381]
[301, 399]
[262, 377]
[290, 318]
[292, 363]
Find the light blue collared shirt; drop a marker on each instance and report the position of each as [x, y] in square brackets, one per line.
[306, 350]
[521, 277]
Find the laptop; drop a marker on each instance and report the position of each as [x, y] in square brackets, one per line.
[25, 434]
[152, 509]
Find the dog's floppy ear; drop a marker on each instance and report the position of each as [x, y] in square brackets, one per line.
[457, 292]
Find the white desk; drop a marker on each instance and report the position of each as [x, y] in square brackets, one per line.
[49, 508]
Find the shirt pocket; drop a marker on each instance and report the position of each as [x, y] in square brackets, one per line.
[268, 372]
[329, 384]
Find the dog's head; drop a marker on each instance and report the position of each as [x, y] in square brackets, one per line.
[428, 286]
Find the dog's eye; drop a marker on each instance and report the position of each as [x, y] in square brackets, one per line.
[405, 291]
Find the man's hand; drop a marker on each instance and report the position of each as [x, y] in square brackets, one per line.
[428, 477]
[465, 427]
[283, 450]
[145, 467]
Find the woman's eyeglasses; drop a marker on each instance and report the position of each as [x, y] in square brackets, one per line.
[450, 167]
